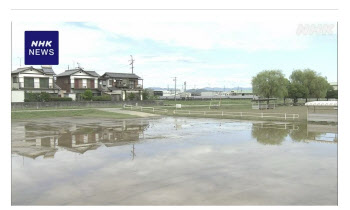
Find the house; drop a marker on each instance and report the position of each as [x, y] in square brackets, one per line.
[121, 85]
[75, 81]
[32, 80]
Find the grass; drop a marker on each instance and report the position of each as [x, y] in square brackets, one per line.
[228, 105]
[69, 107]
[93, 113]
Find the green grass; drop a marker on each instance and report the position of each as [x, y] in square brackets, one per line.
[69, 107]
[69, 113]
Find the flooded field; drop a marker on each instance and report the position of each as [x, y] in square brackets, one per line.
[172, 161]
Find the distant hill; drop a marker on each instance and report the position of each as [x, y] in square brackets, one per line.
[236, 89]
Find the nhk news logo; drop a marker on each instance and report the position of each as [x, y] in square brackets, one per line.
[41, 48]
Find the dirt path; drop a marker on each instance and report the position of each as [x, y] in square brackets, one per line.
[123, 111]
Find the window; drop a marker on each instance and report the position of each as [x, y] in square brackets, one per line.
[110, 82]
[44, 82]
[28, 82]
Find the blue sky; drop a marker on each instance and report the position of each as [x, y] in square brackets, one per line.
[214, 54]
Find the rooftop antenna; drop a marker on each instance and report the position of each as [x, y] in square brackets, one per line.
[132, 64]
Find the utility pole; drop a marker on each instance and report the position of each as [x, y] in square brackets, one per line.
[132, 64]
[175, 88]
[185, 86]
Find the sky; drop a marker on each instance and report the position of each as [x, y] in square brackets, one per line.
[204, 54]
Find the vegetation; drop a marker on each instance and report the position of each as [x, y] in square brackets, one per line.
[308, 84]
[43, 97]
[23, 115]
[87, 95]
[270, 83]
[331, 93]
[131, 96]
[60, 99]
[102, 98]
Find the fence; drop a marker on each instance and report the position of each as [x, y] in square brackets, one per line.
[261, 115]
[144, 109]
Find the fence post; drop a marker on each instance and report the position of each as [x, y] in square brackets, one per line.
[222, 113]
[262, 114]
[285, 116]
[174, 112]
[189, 112]
[153, 109]
[293, 118]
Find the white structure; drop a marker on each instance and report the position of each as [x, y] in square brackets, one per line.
[322, 111]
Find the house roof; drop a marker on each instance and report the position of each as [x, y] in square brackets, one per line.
[44, 70]
[121, 75]
[73, 71]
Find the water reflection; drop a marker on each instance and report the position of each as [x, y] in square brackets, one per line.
[38, 140]
[276, 133]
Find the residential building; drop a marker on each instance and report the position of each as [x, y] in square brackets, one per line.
[75, 81]
[32, 80]
[121, 85]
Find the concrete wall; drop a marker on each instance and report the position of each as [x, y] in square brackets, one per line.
[57, 104]
[17, 96]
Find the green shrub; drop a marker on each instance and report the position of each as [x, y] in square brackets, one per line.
[37, 97]
[87, 95]
[102, 98]
[131, 96]
[60, 99]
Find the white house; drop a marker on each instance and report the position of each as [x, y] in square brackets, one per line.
[33, 80]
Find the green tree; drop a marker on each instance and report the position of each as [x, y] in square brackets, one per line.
[87, 95]
[146, 95]
[314, 85]
[270, 83]
[295, 91]
[331, 93]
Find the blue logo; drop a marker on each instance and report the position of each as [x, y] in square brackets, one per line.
[41, 48]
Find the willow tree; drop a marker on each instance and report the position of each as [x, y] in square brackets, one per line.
[270, 83]
[313, 84]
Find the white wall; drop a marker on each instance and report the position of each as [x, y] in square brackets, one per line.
[17, 96]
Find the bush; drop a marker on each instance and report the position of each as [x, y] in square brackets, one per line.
[131, 96]
[87, 95]
[102, 98]
[37, 97]
[60, 99]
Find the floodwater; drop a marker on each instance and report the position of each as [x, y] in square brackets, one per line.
[173, 161]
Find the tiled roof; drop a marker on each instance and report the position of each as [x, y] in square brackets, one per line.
[44, 70]
[70, 72]
[121, 75]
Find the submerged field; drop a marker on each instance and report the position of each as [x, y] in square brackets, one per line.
[172, 161]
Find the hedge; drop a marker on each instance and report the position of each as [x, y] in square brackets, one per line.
[102, 98]
[60, 99]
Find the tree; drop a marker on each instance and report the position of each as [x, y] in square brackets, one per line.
[295, 91]
[314, 85]
[331, 93]
[87, 95]
[270, 83]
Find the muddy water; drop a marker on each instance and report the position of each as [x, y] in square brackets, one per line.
[172, 161]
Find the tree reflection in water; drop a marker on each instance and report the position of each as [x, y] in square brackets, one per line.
[270, 134]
